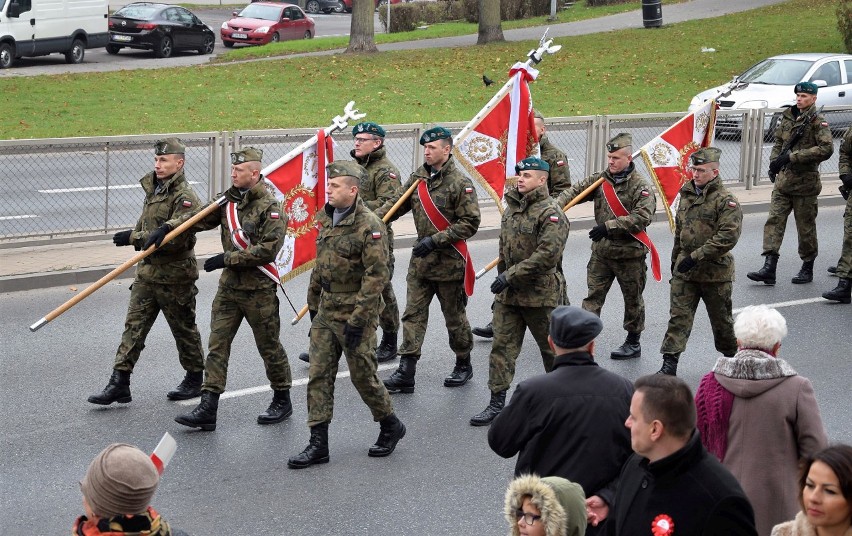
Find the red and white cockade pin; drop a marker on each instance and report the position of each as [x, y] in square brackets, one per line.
[164, 452]
[663, 525]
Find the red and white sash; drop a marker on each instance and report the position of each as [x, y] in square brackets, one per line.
[242, 242]
[618, 209]
[441, 223]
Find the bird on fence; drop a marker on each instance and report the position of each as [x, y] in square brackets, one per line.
[487, 81]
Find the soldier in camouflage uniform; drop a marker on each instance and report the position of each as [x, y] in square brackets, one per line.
[616, 254]
[707, 227]
[436, 268]
[533, 232]
[165, 280]
[245, 292]
[343, 299]
[843, 291]
[797, 184]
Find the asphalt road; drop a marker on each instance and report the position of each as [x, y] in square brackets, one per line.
[443, 479]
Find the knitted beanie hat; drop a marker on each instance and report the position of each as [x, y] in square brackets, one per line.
[120, 480]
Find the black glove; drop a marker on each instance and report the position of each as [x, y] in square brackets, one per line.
[844, 192]
[500, 284]
[216, 262]
[157, 236]
[122, 238]
[686, 265]
[423, 247]
[312, 314]
[778, 164]
[598, 232]
[846, 179]
[352, 335]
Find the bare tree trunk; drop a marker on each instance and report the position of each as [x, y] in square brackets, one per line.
[490, 30]
[361, 31]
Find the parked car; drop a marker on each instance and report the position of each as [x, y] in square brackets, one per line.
[347, 4]
[162, 28]
[260, 23]
[770, 83]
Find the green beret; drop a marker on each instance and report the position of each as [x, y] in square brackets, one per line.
[620, 141]
[705, 155]
[532, 163]
[368, 128]
[538, 115]
[435, 134]
[346, 168]
[169, 146]
[247, 154]
[806, 87]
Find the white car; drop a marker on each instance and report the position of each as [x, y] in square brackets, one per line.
[770, 83]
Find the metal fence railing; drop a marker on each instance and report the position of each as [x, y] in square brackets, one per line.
[90, 186]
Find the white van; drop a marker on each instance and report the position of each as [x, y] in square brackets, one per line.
[40, 27]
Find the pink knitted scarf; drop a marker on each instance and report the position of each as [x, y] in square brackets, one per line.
[713, 404]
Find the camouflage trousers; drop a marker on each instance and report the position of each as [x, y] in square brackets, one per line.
[804, 209]
[631, 275]
[684, 299]
[327, 343]
[260, 309]
[510, 326]
[389, 315]
[844, 265]
[453, 302]
[177, 302]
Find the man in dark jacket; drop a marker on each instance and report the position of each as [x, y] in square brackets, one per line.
[671, 485]
[569, 422]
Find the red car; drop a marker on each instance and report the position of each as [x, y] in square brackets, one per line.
[260, 23]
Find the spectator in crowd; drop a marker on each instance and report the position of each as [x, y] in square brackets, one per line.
[759, 417]
[549, 506]
[825, 494]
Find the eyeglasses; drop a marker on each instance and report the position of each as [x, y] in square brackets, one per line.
[363, 140]
[700, 170]
[529, 519]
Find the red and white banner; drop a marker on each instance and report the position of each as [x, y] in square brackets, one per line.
[503, 135]
[300, 184]
[164, 452]
[667, 155]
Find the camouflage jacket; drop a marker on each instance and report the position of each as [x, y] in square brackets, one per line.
[707, 227]
[801, 176]
[846, 153]
[455, 196]
[560, 176]
[265, 225]
[175, 203]
[638, 198]
[533, 232]
[382, 187]
[352, 266]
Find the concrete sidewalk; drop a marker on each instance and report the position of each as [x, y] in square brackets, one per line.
[81, 261]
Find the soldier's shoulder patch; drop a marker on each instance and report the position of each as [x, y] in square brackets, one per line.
[824, 124]
[186, 203]
[274, 215]
[645, 193]
[468, 189]
[560, 163]
[376, 235]
[732, 203]
[554, 218]
[392, 175]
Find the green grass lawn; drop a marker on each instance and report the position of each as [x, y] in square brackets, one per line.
[628, 71]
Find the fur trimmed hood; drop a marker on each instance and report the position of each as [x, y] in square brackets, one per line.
[751, 372]
[561, 502]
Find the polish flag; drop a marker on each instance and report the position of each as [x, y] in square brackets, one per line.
[300, 185]
[164, 452]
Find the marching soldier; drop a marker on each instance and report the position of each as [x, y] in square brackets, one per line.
[533, 232]
[446, 213]
[343, 299]
[796, 166]
[707, 227]
[253, 229]
[165, 280]
[624, 206]
[843, 291]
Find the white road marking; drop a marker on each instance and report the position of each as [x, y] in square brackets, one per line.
[94, 188]
[265, 388]
[787, 303]
[21, 217]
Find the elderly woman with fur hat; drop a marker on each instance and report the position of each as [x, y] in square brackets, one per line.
[117, 492]
[549, 506]
[759, 417]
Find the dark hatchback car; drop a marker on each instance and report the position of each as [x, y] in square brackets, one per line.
[162, 28]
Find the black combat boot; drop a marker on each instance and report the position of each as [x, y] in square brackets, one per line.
[386, 350]
[486, 333]
[484, 418]
[462, 372]
[669, 364]
[630, 349]
[305, 357]
[767, 273]
[391, 431]
[190, 387]
[117, 390]
[315, 452]
[831, 269]
[278, 410]
[805, 275]
[204, 415]
[402, 379]
[841, 293]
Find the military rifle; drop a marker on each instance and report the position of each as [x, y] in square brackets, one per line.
[798, 132]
